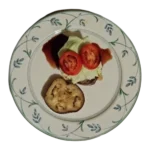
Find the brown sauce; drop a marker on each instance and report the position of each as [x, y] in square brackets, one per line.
[52, 47]
[105, 56]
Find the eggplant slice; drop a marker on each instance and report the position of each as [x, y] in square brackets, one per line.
[63, 97]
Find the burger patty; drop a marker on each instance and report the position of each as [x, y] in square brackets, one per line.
[88, 82]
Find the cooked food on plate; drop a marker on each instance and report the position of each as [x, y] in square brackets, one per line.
[78, 60]
[63, 97]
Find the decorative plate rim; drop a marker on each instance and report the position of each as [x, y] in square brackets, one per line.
[69, 139]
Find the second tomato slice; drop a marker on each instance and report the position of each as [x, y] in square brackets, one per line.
[90, 55]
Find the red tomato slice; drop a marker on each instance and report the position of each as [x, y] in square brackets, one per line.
[90, 55]
[70, 62]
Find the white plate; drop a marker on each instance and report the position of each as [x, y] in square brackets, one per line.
[107, 102]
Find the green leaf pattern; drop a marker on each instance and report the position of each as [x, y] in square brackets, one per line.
[18, 62]
[94, 127]
[55, 22]
[117, 107]
[23, 91]
[109, 28]
[36, 116]
[131, 81]
[82, 22]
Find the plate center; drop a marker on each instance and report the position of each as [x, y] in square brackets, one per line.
[98, 97]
